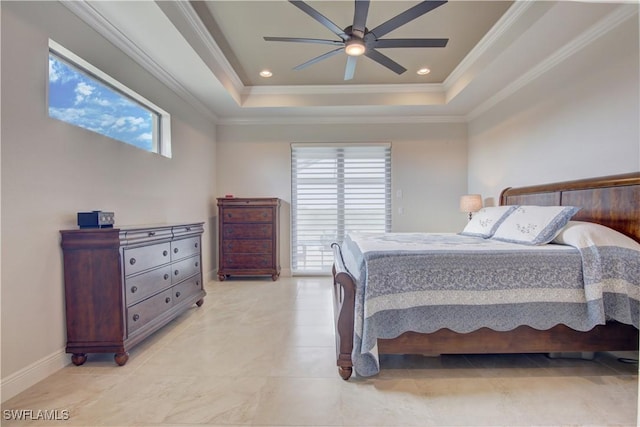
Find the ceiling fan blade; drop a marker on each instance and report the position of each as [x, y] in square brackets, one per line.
[320, 18]
[350, 69]
[384, 43]
[406, 16]
[318, 58]
[360, 16]
[385, 60]
[304, 40]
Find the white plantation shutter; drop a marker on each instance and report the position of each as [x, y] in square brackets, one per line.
[336, 189]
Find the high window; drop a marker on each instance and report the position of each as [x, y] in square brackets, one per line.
[336, 189]
[84, 96]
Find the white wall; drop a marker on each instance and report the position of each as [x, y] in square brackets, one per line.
[429, 165]
[51, 170]
[579, 120]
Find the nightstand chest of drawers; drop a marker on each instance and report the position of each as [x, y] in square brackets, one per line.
[123, 284]
[248, 237]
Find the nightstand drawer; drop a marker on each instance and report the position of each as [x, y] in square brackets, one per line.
[248, 231]
[140, 259]
[248, 215]
[142, 313]
[143, 285]
[248, 261]
[232, 246]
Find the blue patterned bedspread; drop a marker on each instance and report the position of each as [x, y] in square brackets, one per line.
[424, 282]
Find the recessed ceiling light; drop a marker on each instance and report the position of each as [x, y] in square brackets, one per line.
[423, 71]
[266, 73]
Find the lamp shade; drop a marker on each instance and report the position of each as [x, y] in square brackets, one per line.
[470, 203]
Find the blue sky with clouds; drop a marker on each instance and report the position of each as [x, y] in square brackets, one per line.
[80, 100]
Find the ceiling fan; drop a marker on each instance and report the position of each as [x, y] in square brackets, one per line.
[357, 39]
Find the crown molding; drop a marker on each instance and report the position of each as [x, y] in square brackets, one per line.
[344, 89]
[504, 24]
[611, 21]
[289, 120]
[92, 17]
[188, 12]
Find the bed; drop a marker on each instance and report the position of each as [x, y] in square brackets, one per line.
[612, 201]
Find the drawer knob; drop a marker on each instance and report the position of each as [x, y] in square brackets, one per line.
[165, 253]
[166, 276]
[177, 294]
[134, 289]
[176, 272]
[132, 261]
[152, 233]
[136, 317]
[175, 250]
[188, 228]
[167, 300]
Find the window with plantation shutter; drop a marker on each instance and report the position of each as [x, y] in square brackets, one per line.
[336, 189]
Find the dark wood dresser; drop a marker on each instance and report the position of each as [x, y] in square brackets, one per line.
[248, 237]
[123, 284]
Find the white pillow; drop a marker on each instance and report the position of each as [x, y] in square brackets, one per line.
[485, 222]
[534, 225]
[584, 234]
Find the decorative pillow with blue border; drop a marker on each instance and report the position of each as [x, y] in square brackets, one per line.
[534, 225]
[485, 222]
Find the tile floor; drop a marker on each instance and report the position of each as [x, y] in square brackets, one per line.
[261, 353]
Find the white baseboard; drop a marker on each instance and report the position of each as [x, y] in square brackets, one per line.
[285, 272]
[32, 374]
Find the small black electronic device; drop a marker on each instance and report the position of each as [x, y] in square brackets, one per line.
[96, 219]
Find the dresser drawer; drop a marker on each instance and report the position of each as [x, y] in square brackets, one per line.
[257, 214]
[142, 235]
[188, 229]
[146, 284]
[185, 247]
[248, 231]
[142, 313]
[140, 259]
[187, 288]
[185, 268]
[232, 246]
[248, 261]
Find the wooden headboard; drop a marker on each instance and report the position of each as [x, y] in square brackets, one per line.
[613, 200]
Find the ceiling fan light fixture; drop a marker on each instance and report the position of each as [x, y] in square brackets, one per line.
[354, 47]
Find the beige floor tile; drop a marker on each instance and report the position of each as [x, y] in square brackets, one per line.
[418, 366]
[307, 362]
[573, 400]
[385, 402]
[300, 401]
[262, 353]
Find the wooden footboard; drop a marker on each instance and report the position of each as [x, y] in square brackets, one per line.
[344, 297]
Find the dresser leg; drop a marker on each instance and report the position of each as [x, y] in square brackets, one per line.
[275, 276]
[121, 358]
[78, 358]
[200, 302]
[221, 277]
